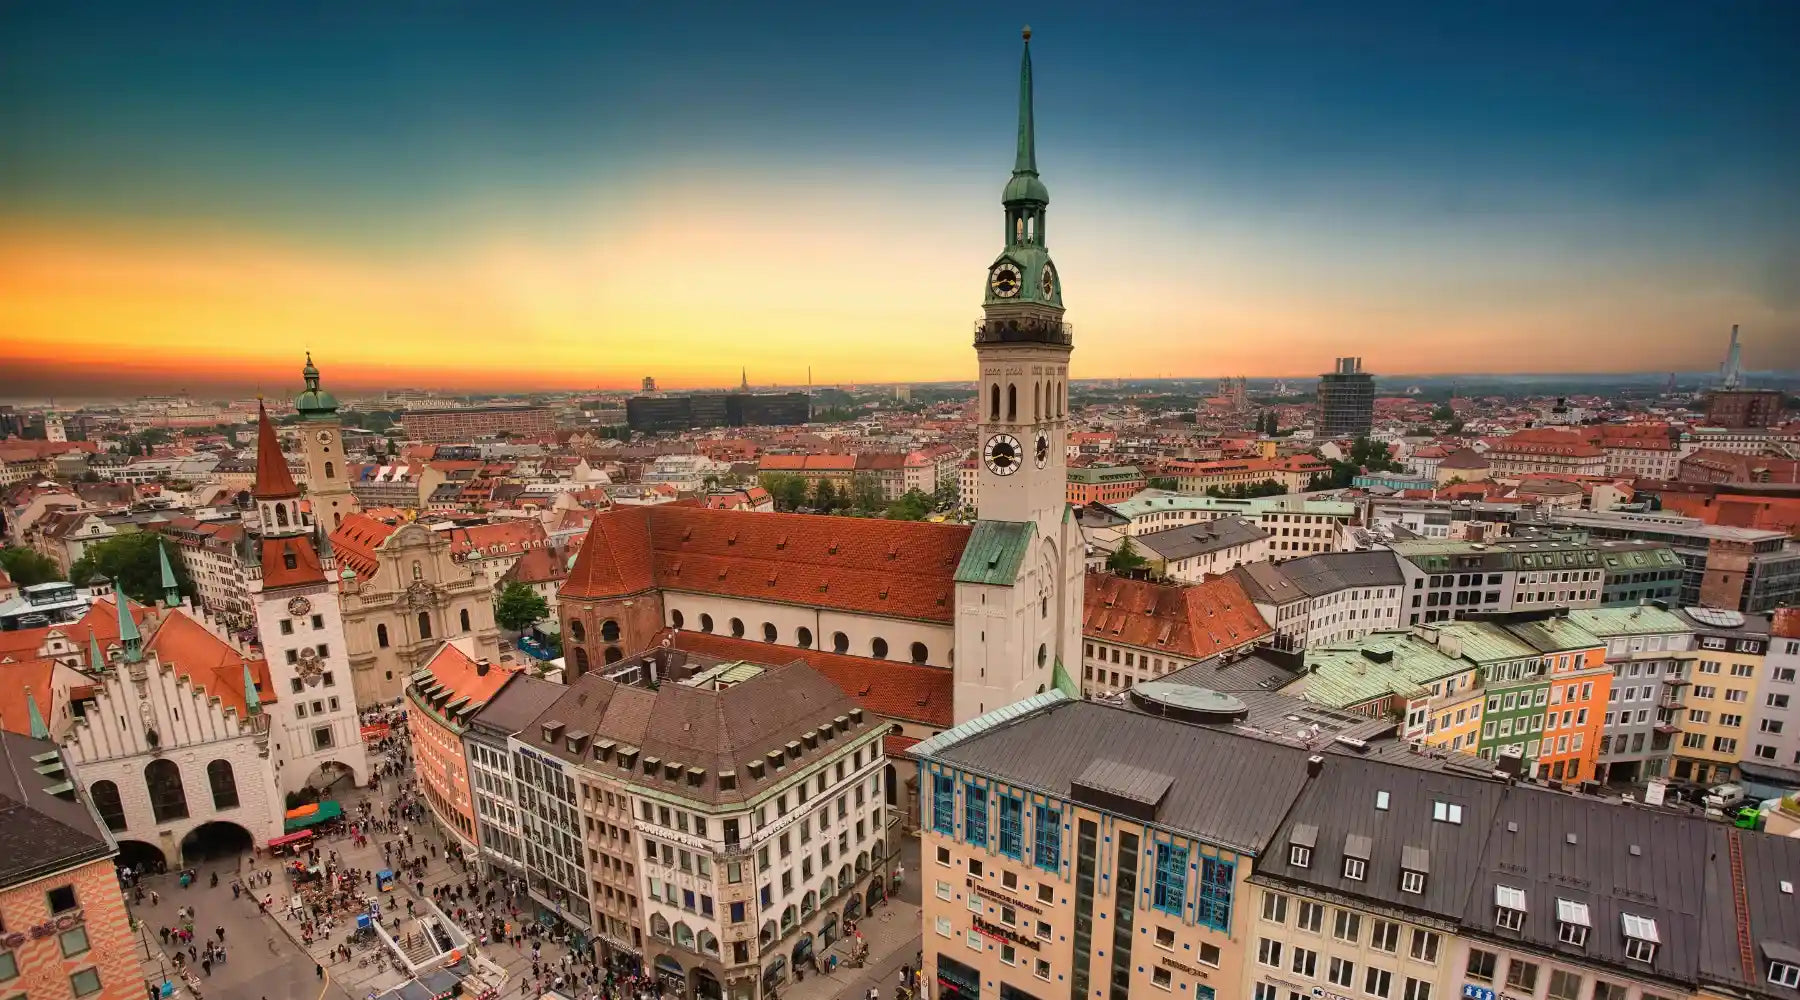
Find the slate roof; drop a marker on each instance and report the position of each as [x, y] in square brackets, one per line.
[1252, 672]
[40, 832]
[898, 569]
[1316, 575]
[1342, 802]
[713, 730]
[522, 698]
[1049, 749]
[1557, 846]
[1188, 540]
[1774, 914]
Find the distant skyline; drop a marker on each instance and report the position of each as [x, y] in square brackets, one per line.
[486, 196]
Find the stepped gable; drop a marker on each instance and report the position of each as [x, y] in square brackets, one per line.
[899, 569]
[1197, 621]
[193, 651]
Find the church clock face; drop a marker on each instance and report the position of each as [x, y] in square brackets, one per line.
[1043, 450]
[1006, 280]
[1047, 282]
[1003, 454]
[324, 437]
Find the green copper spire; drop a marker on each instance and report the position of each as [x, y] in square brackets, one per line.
[315, 403]
[171, 590]
[1024, 185]
[96, 659]
[1026, 161]
[129, 636]
[39, 731]
[251, 701]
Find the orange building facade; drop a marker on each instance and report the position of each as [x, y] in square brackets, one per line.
[442, 697]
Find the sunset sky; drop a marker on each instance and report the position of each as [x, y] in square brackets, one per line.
[529, 195]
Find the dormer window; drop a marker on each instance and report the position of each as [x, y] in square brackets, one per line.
[1784, 974]
[1301, 843]
[1355, 869]
[1640, 938]
[1509, 908]
[1356, 856]
[1572, 922]
[1415, 864]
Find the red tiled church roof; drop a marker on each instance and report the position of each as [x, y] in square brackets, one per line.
[356, 539]
[209, 662]
[275, 558]
[899, 569]
[889, 688]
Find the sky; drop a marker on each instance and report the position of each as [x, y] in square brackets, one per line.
[527, 195]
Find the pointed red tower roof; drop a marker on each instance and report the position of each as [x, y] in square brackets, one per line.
[273, 481]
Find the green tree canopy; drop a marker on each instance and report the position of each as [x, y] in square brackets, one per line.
[520, 607]
[826, 499]
[1125, 558]
[1164, 483]
[788, 491]
[131, 560]
[28, 567]
[914, 506]
[865, 493]
[1244, 491]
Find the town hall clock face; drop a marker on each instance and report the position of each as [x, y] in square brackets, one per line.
[299, 607]
[324, 437]
[1006, 280]
[1043, 449]
[1004, 454]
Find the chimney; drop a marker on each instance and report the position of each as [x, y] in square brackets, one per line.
[1314, 765]
[481, 667]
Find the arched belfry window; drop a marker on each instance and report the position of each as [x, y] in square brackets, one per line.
[1012, 401]
[994, 410]
[330, 470]
[281, 519]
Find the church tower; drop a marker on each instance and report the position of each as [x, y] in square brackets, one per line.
[322, 439]
[1019, 584]
[1023, 346]
[313, 721]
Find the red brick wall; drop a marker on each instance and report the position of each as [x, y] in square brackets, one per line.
[639, 619]
[43, 971]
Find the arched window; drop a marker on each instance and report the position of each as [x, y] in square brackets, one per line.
[581, 660]
[418, 571]
[281, 515]
[1012, 401]
[424, 624]
[709, 945]
[676, 620]
[878, 648]
[659, 926]
[994, 409]
[808, 903]
[612, 654]
[1043, 654]
[224, 784]
[168, 800]
[789, 917]
[706, 623]
[803, 637]
[767, 934]
[1037, 400]
[106, 802]
[330, 471]
[684, 936]
[577, 631]
[919, 653]
[840, 643]
[464, 615]
[828, 888]
[609, 629]
[381, 637]
[769, 633]
[737, 628]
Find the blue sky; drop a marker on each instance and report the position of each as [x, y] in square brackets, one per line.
[1227, 179]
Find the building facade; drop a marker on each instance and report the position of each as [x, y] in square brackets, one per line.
[1719, 684]
[466, 423]
[1643, 648]
[1346, 400]
[441, 698]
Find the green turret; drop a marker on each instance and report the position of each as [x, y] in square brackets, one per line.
[96, 659]
[171, 590]
[39, 731]
[1025, 185]
[252, 702]
[1023, 298]
[129, 636]
[315, 403]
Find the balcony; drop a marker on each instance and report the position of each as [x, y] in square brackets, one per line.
[1024, 330]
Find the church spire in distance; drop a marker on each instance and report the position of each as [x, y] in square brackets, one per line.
[1026, 161]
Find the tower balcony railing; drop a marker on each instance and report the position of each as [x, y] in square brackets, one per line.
[1024, 330]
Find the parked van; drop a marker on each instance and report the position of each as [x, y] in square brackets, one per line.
[1725, 797]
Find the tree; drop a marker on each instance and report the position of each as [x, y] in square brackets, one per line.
[865, 493]
[788, 491]
[1245, 491]
[28, 567]
[1365, 454]
[911, 507]
[825, 497]
[131, 559]
[1169, 483]
[1125, 558]
[520, 607]
[1443, 412]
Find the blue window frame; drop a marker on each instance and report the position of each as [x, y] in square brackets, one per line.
[975, 814]
[943, 804]
[1048, 848]
[1216, 879]
[1012, 827]
[1171, 878]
